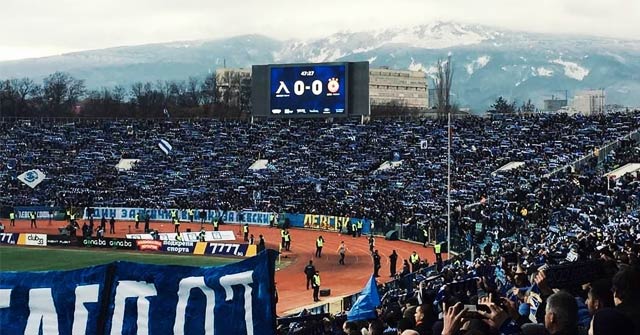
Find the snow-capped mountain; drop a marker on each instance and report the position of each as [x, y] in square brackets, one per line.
[488, 62]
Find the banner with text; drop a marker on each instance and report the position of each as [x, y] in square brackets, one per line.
[209, 236]
[225, 249]
[42, 212]
[131, 298]
[129, 214]
[327, 222]
[9, 238]
[39, 240]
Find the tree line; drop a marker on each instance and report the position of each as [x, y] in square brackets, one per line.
[62, 95]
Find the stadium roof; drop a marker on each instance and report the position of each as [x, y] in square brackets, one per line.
[621, 171]
[509, 166]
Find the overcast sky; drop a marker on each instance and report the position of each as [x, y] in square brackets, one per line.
[31, 28]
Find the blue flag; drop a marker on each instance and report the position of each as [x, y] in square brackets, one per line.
[132, 298]
[365, 306]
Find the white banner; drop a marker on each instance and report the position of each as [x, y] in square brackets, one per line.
[32, 177]
[209, 236]
[39, 240]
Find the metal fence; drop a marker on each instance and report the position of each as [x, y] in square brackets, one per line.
[602, 153]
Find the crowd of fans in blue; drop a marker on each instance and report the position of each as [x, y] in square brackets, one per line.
[556, 248]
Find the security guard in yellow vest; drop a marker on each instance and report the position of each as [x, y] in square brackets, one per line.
[68, 216]
[176, 225]
[319, 244]
[414, 259]
[190, 212]
[359, 228]
[12, 217]
[137, 218]
[316, 286]
[287, 240]
[174, 214]
[282, 237]
[437, 249]
[245, 230]
[215, 223]
[32, 216]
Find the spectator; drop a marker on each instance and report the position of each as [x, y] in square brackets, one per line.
[608, 321]
[561, 317]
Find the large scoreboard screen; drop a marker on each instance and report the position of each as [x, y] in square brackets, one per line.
[311, 89]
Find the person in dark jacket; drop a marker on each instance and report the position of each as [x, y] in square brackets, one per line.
[309, 271]
[610, 321]
[626, 295]
[393, 259]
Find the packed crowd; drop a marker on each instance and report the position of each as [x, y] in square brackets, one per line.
[559, 255]
[552, 250]
[314, 166]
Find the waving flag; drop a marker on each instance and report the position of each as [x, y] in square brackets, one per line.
[165, 146]
[365, 306]
[32, 177]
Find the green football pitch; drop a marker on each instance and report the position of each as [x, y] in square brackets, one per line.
[13, 258]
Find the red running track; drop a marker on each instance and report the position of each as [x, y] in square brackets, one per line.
[290, 279]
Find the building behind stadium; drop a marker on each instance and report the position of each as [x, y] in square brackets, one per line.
[396, 90]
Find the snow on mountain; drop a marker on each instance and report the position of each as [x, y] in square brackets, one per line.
[541, 71]
[487, 62]
[477, 64]
[571, 69]
[436, 35]
[440, 35]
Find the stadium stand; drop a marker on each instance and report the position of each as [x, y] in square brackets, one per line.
[529, 233]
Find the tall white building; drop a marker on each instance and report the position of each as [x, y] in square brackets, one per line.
[589, 102]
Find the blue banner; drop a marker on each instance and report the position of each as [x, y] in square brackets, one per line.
[52, 302]
[327, 222]
[9, 238]
[132, 298]
[129, 214]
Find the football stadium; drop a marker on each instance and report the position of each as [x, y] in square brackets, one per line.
[311, 215]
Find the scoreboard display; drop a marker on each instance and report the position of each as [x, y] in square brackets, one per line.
[313, 89]
[310, 90]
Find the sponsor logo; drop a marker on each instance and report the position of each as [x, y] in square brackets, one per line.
[94, 243]
[149, 245]
[106, 243]
[58, 241]
[179, 250]
[8, 238]
[121, 244]
[178, 243]
[36, 239]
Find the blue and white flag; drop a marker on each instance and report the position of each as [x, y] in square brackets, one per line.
[165, 146]
[129, 298]
[32, 177]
